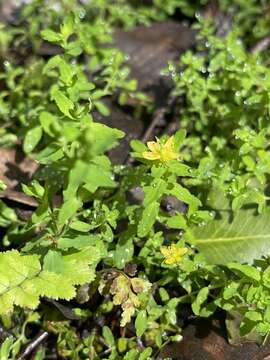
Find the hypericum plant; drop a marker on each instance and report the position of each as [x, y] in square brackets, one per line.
[125, 246]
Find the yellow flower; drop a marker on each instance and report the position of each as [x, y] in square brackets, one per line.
[163, 152]
[173, 254]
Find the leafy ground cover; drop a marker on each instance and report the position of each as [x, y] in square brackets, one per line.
[108, 253]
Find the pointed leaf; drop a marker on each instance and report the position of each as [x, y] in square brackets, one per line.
[242, 238]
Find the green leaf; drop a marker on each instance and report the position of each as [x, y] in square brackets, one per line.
[53, 261]
[145, 355]
[253, 315]
[200, 299]
[102, 138]
[124, 252]
[68, 209]
[6, 348]
[51, 36]
[177, 222]
[131, 355]
[64, 67]
[108, 336]
[22, 282]
[80, 226]
[184, 195]
[32, 138]
[179, 137]
[91, 175]
[78, 242]
[242, 237]
[102, 108]
[148, 219]
[7, 215]
[179, 169]
[64, 104]
[141, 323]
[247, 270]
[154, 191]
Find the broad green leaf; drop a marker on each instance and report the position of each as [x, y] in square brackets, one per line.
[64, 67]
[240, 237]
[148, 219]
[101, 138]
[6, 347]
[22, 282]
[78, 242]
[51, 35]
[184, 195]
[7, 215]
[53, 261]
[177, 222]
[154, 191]
[64, 104]
[102, 108]
[123, 252]
[108, 336]
[68, 209]
[97, 177]
[80, 226]
[253, 315]
[179, 169]
[131, 355]
[50, 154]
[91, 175]
[32, 138]
[200, 299]
[145, 355]
[247, 270]
[141, 323]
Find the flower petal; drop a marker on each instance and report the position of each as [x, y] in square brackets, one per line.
[170, 144]
[151, 155]
[153, 146]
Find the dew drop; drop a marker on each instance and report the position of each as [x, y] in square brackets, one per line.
[82, 14]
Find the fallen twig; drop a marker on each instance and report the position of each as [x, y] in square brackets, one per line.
[158, 118]
[19, 197]
[261, 45]
[33, 345]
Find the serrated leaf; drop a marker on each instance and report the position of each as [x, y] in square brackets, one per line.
[53, 261]
[242, 238]
[23, 281]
